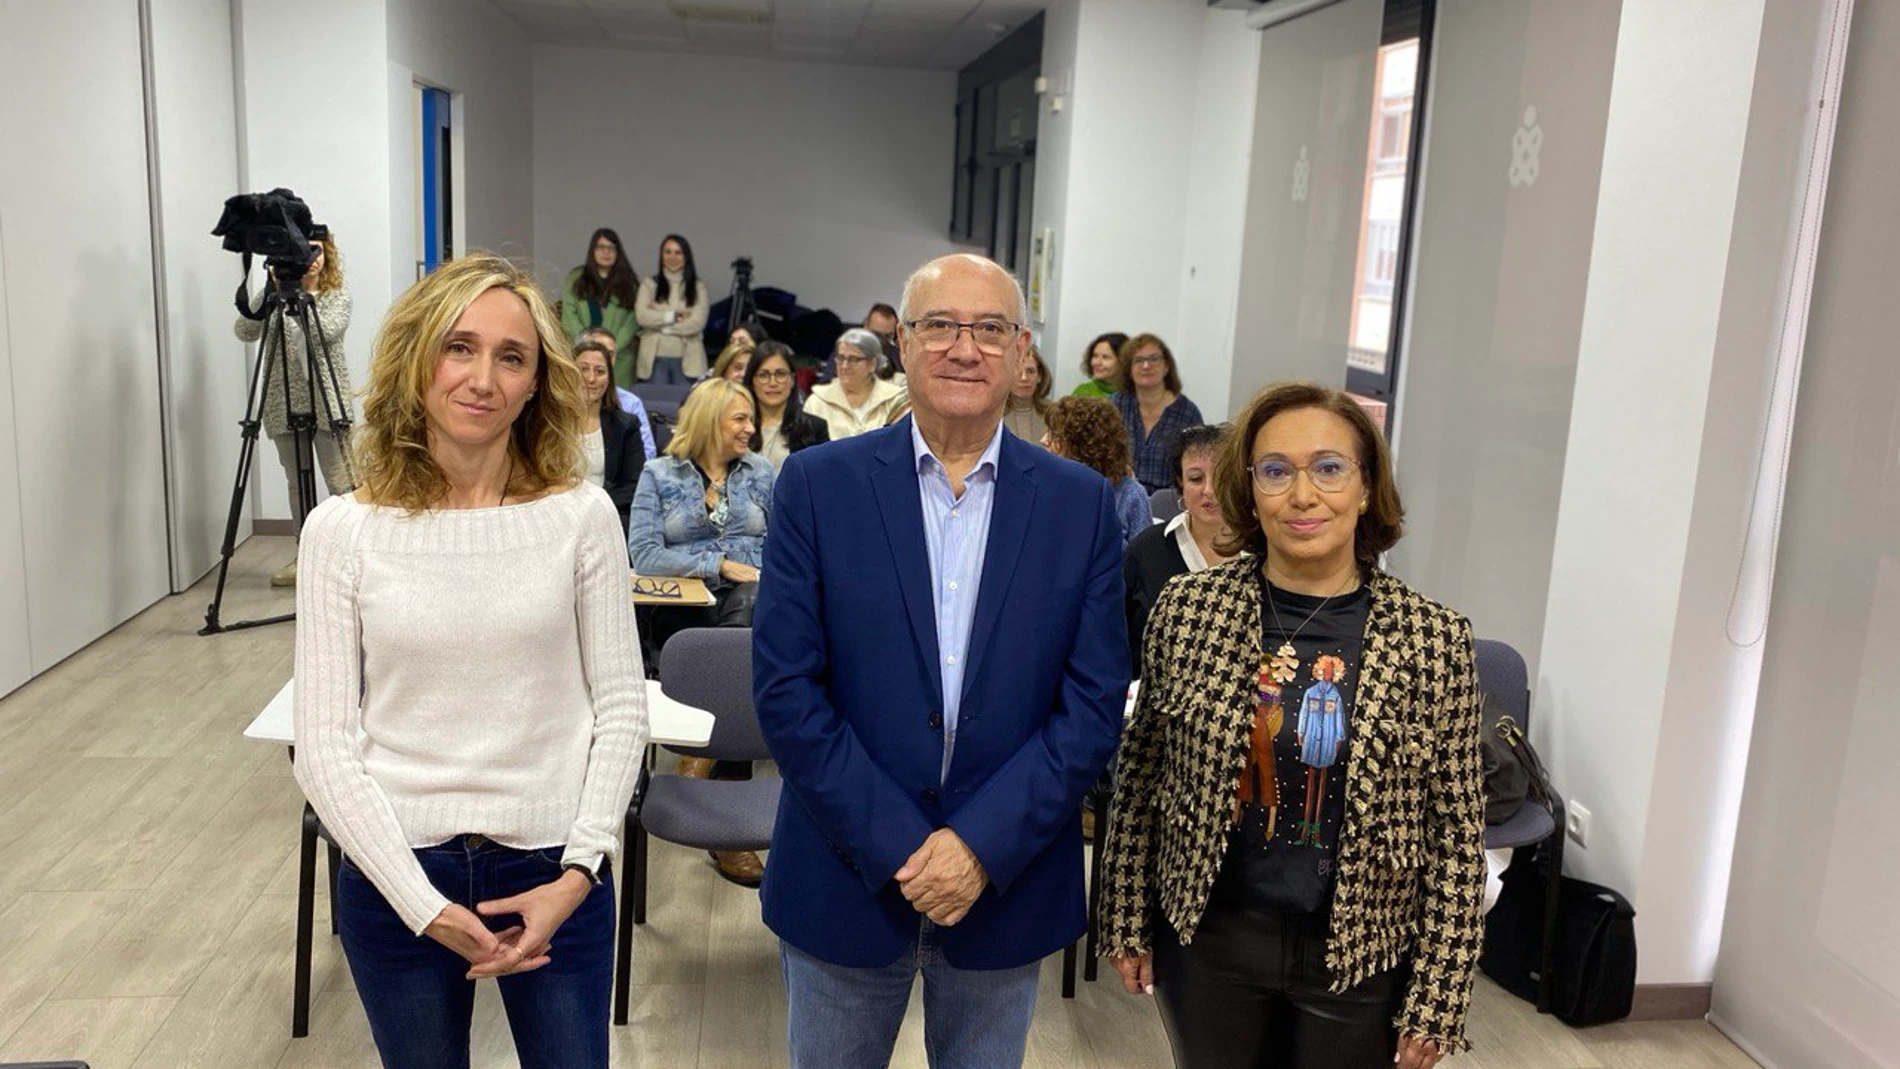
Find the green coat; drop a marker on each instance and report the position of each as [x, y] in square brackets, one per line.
[1093, 388]
[615, 317]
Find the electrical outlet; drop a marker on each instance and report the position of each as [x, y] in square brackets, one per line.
[1577, 824]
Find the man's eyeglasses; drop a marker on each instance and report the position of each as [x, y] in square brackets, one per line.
[991, 336]
[1328, 475]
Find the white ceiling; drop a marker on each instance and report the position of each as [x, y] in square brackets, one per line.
[939, 34]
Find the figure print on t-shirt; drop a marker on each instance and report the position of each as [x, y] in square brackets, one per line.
[1259, 783]
[1322, 727]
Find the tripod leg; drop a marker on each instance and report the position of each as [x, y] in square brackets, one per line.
[247, 455]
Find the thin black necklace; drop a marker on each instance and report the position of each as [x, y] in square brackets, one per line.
[1286, 646]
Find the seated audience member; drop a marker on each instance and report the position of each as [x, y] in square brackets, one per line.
[672, 311]
[1101, 362]
[600, 294]
[732, 360]
[629, 401]
[609, 440]
[1188, 543]
[701, 511]
[751, 332]
[881, 320]
[783, 427]
[1086, 430]
[1152, 407]
[470, 712]
[1294, 865]
[1029, 400]
[857, 400]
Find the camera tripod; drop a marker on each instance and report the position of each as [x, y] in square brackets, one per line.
[284, 299]
[742, 308]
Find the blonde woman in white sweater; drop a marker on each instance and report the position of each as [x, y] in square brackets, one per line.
[672, 311]
[470, 706]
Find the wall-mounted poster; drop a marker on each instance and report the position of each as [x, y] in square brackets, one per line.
[1042, 256]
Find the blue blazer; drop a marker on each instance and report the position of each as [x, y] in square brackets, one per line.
[846, 680]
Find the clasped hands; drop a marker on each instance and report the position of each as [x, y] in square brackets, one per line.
[521, 948]
[942, 879]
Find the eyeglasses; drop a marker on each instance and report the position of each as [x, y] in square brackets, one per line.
[777, 374]
[856, 359]
[1329, 475]
[1149, 360]
[991, 336]
[656, 588]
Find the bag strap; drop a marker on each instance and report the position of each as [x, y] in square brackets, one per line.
[1513, 737]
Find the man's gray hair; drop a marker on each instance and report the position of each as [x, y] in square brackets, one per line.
[932, 270]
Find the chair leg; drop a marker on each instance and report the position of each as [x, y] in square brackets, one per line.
[623, 934]
[306, 919]
[336, 869]
[1068, 971]
[638, 875]
[1092, 956]
[1553, 885]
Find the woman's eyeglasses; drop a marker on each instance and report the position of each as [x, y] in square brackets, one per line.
[1329, 475]
[656, 588]
[777, 374]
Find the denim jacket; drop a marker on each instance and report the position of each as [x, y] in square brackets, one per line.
[668, 532]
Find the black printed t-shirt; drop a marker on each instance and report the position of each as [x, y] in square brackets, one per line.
[1282, 854]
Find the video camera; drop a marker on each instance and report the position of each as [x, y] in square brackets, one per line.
[274, 225]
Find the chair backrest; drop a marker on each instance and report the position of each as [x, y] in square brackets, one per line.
[1501, 673]
[668, 393]
[1164, 504]
[710, 668]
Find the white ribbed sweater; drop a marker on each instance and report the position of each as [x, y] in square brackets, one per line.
[466, 671]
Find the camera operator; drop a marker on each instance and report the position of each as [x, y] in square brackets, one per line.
[324, 283]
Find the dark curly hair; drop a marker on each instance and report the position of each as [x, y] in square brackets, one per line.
[1089, 430]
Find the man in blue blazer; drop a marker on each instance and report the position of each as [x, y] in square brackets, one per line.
[940, 663]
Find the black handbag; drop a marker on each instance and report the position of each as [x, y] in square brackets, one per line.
[1594, 960]
[1507, 776]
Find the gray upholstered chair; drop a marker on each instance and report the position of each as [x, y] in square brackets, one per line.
[1164, 504]
[707, 668]
[1503, 676]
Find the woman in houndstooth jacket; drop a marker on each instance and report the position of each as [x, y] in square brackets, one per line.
[1294, 863]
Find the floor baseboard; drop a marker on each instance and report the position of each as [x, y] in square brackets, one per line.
[1670, 1002]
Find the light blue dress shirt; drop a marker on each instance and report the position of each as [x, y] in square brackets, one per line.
[956, 536]
[631, 404]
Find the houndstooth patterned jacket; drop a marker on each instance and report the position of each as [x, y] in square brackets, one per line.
[1411, 855]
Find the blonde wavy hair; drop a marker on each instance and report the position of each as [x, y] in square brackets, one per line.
[391, 448]
[331, 277]
[700, 416]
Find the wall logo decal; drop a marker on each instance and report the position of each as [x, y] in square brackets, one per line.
[1302, 170]
[1526, 143]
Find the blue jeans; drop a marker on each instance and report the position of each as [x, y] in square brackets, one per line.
[413, 988]
[669, 371]
[848, 1018]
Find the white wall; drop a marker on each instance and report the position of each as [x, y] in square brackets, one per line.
[195, 141]
[1657, 275]
[16, 661]
[836, 180]
[1120, 152]
[332, 148]
[75, 226]
[1220, 157]
[1809, 969]
[480, 55]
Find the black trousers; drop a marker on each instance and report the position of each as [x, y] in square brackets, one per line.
[1253, 992]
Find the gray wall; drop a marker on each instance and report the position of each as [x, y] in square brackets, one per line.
[1497, 310]
[1809, 971]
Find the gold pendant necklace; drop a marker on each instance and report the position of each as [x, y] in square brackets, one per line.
[1285, 663]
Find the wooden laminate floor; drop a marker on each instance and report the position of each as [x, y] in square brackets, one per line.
[147, 893]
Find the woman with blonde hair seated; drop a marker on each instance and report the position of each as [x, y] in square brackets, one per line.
[733, 360]
[470, 706]
[700, 511]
